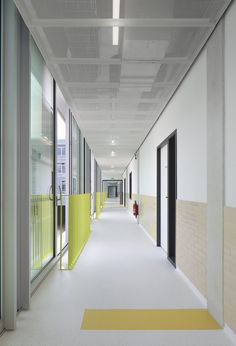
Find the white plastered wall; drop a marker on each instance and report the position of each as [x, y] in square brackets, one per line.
[92, 184]
[133, 167]
[229, 287]
[186, 112]
[111, 176]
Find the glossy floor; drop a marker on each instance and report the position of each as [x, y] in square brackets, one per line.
[120, 268]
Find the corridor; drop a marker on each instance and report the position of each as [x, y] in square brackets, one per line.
[120, 268]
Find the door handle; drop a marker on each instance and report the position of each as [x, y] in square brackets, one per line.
[60, 193]
[50, 194]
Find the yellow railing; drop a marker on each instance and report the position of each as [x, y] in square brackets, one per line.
[98, 204]
[79, 226]
[103, 197]
[42, 230]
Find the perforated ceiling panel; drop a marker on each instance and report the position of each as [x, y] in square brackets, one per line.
[118, 91]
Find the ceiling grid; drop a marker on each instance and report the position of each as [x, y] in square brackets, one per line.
[118, 91]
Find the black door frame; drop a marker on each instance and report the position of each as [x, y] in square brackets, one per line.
[109, 188]
[171, 142]
[112, 181]
[124, 192]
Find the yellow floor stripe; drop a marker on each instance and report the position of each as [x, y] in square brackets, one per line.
[181, 319]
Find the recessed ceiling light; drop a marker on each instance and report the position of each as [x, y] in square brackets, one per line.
[113, 142]
[113, 153]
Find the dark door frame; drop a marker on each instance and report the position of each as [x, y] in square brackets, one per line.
[171, 142]
[124, 192]
[112, 181]
[109, 189]
[121, 193]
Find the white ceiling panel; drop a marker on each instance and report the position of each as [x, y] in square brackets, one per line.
[117, 92]
[144, 49]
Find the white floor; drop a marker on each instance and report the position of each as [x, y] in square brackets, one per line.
[113, 201]
[119, 268]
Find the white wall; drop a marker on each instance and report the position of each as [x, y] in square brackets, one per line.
[230, 107]
[186, 112]
[111, 175]
[133, 167]
[92, 173]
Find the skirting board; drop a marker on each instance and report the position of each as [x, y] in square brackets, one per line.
[231, 335]
[147, 234]
[193, 288]
[188, 282]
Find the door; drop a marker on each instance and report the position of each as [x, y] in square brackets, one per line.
[121, 192]
[164, 197]
[92, 184]
[63, 171]
[62, 179]
[124, 192]
[112, 191]
[42, 163]
[172, 196]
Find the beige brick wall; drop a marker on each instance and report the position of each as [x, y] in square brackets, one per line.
[148, 214]
[191, 242]
[230, 267]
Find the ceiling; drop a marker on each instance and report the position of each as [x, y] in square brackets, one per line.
[118, 91]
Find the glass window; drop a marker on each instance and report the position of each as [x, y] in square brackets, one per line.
[62, 142]
[42, 159]
[61, 168]
[63, 186]
[75, 156]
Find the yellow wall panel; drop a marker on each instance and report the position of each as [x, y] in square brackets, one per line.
[79, 226]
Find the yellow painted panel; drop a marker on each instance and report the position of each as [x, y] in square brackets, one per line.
[79, 226]
[98, 204]
[103, 198]
[42, 231]
[180, 319]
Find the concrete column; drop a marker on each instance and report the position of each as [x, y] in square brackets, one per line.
[9, 167]
[23, 172]
[215, 172]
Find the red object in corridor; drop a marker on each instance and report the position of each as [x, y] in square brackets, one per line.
[135, 209]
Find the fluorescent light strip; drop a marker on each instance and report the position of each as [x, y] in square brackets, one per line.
[116, 15]
[116, 9]
[115, 35]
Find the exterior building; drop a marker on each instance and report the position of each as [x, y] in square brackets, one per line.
[61, 165]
